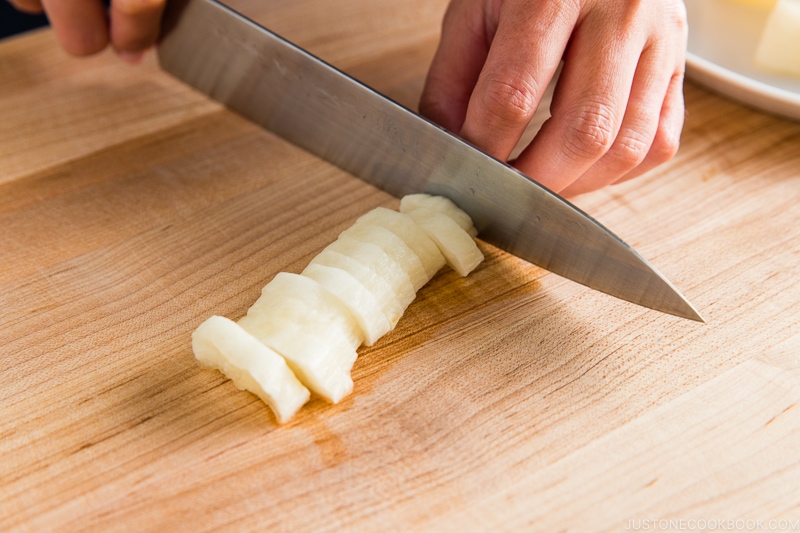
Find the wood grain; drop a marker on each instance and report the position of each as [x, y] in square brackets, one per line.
[132, 208]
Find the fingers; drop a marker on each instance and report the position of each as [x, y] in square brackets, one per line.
[618, 107]
[524, 55]
[28, 6]
[667, 138]
[588, 105]
[456, 66]
[80, 26]
[639, 125]
[135, 26]
[84, 27]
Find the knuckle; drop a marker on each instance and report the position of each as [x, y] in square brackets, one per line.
[590, 131]
[629, 150]
[680, 17]
[510, 100]
[665, 145]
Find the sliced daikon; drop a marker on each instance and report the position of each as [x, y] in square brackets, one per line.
[311, 328]
[304, 330]
[359, 300]
[457, 246]
[441, 204]
[377, 271]
[394, 248]
[779, 47]
[411, 234]
[221, 344]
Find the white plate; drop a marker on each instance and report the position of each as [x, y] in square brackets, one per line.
[723, 35]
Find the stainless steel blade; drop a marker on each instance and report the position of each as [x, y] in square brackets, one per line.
[310, 103]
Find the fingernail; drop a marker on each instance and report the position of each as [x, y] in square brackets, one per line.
[132, 58]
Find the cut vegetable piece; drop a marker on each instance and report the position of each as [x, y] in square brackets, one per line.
[394, 248]
[305, 300]
[779, 47]
[413, 236]
[223, 345]
[441, 204]
[358, 299]
[304, 330]
[376, 270]
[316, 361]
[311, 328]
[460, 250]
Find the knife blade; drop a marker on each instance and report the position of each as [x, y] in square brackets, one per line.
[310, 103]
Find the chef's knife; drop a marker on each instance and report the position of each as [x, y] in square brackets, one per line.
[315, 106]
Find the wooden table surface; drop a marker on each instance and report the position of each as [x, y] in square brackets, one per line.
[132, 208]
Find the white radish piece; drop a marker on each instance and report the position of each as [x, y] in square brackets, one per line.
[376, 270]
[311, 328]
[304, 330]
[413, 236]
[353, 294]
[441, 204]
[457, 246]
[221, 344]
[394, 248]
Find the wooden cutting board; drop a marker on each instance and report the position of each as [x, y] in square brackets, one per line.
[132, 208]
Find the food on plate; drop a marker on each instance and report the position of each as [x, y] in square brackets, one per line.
[779, 47]
[303, 332]
[223, 345]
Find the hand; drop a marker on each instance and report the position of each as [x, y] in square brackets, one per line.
[617, 110]
[84, 27]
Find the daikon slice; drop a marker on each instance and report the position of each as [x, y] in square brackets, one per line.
[413, 236]
[312, 358]
[359, 300]
[221, 344]
[376, 270]
[441, 204]
[457, 246]
[311, 328]
[394, 248]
